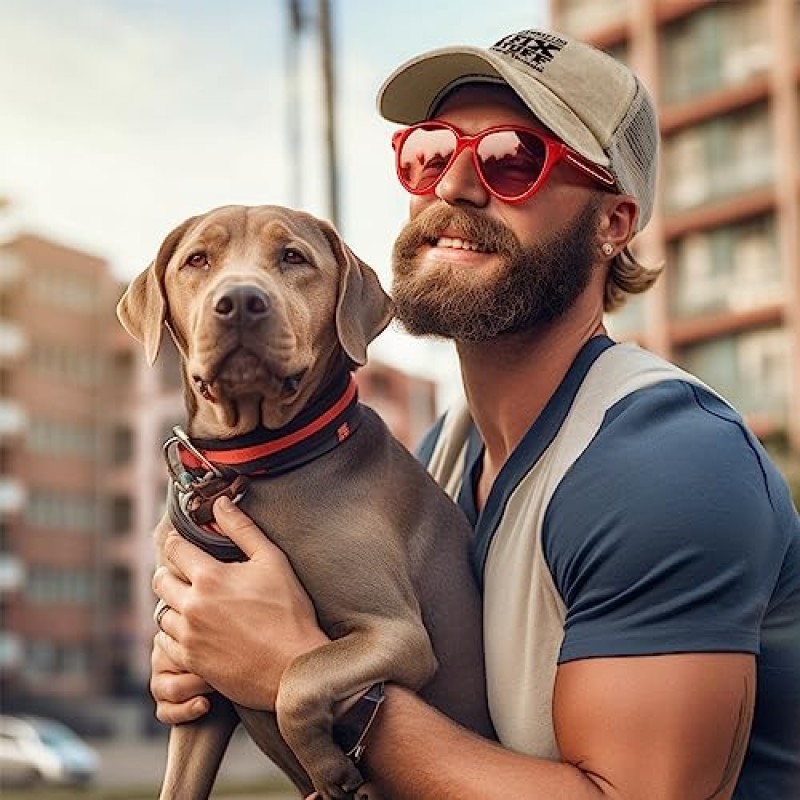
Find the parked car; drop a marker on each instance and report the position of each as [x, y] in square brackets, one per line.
[35, 750]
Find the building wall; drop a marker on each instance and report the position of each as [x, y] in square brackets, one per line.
[726, 80]
[56, 305]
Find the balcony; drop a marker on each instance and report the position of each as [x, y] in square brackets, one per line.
[10, 652]
[12, 573]
[12, 496]
[717, 159]
[13, 419]
[721, 45]
[13, 343]
[730, 269]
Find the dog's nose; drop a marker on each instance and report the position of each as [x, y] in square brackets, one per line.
[241, 304]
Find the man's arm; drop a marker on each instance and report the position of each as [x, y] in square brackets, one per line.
[657, 727]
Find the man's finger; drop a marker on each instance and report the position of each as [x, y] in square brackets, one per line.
[170, 590]
[179, 713]
[241, 530]
[183, 556]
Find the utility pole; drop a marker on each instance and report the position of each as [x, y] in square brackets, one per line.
[329, 110]
[296, 22]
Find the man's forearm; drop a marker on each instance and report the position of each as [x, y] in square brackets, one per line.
[416, 753]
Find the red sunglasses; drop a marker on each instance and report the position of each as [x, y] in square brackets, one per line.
[512, 162]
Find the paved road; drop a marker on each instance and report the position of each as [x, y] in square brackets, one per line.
[140, 763]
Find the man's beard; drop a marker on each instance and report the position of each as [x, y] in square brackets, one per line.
[533, 286]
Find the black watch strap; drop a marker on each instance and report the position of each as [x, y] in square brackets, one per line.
[351, 729]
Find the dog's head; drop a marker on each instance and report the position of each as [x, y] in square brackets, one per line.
[263, 303]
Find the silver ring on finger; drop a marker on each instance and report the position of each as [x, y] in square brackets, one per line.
[161, 609]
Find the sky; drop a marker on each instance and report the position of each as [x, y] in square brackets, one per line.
[120, 118]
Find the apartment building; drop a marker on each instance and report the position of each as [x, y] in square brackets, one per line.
[56, 309]
[726, 80]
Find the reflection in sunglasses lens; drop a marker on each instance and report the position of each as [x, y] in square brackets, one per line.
[425, 156]
[510, 162]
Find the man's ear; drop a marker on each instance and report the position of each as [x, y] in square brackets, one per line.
[363, 309]
[620, 215]
[143, 309]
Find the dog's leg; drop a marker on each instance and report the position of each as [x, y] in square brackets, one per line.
[195, 752]
[398, 650]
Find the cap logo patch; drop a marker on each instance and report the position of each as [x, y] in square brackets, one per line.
[535, 49]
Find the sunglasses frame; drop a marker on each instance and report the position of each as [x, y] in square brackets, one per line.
[555, 151]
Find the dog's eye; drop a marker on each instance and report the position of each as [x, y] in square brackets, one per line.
[198, 260]
[292, 256]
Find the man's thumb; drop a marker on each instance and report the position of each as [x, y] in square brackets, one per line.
[238, 527]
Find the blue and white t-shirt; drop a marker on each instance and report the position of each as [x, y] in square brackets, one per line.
[638, 516]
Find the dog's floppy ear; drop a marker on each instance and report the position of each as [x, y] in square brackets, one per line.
[363, 309]
[142, 310]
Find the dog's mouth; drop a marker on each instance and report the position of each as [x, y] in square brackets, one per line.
[244, 373]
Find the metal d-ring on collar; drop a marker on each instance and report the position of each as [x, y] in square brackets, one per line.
[184, 480]
[186, 493]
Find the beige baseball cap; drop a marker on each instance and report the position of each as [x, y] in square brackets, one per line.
[590, 100]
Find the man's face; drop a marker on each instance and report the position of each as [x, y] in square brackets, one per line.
[470, 267]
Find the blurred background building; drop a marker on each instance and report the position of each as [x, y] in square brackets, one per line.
[82, 417]
[727, 223]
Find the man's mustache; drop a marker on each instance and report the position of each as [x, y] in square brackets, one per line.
[490, 234]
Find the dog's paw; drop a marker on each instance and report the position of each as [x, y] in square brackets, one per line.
[339, 782]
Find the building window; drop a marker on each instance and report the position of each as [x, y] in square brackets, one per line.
[121, 515]
[53, 360]
[120, 588]
[47, 586]
[731, 268]
[750, 370]
[60, 511]
[63, 289]
[44, 658]
[57, 438]
[121, 445]
[718, 158]
[722, 45]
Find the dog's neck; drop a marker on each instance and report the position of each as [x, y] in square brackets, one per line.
[331, 417]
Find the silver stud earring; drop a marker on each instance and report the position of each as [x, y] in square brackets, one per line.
[607, 248]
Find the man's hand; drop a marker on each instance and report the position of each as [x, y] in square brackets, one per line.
[238, 625]
[179, 695]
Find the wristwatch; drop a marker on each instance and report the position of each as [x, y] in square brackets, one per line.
[351, 729]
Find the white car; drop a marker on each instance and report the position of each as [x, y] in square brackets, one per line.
[38, 750]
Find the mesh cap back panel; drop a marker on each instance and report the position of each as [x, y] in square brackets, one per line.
[633, 152]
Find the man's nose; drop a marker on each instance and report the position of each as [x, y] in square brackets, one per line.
[460, 183]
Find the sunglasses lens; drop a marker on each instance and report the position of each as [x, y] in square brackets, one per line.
[423, 156]
[511, 162]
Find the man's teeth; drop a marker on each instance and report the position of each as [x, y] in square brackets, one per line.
[459, 244]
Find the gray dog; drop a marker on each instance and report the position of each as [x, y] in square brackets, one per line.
[271, 313]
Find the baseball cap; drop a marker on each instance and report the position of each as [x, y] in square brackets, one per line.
[591, 101]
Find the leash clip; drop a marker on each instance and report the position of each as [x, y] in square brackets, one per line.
[183, 479]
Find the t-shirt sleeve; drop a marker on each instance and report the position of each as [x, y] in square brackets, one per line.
[661, 538]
